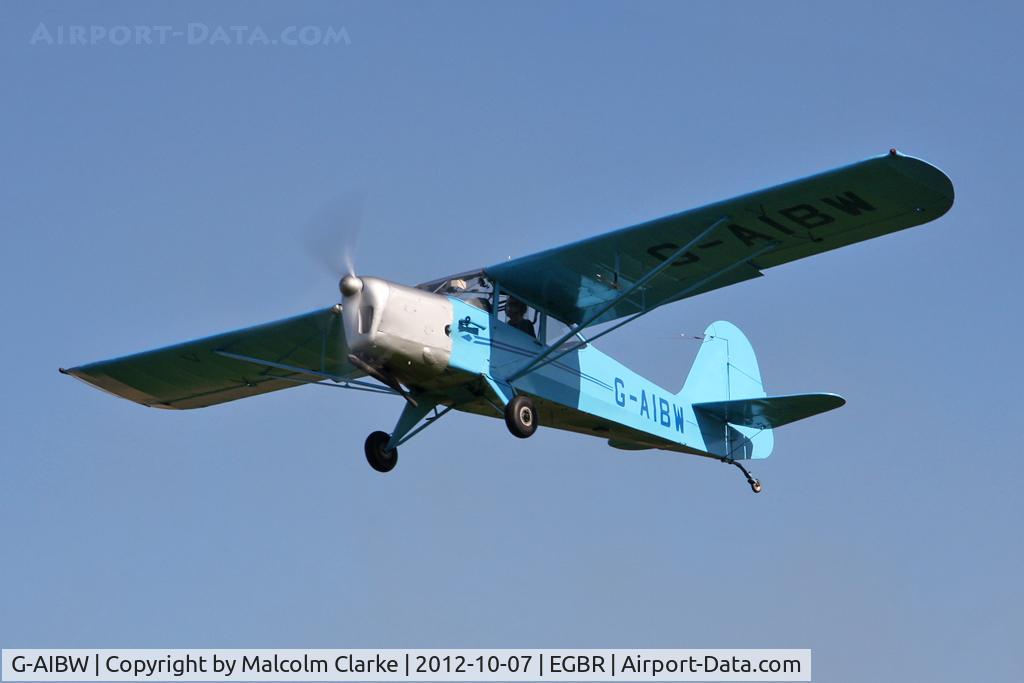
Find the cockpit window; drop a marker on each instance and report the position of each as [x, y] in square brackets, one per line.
[516, 315]
[556, 329]
[475, 291]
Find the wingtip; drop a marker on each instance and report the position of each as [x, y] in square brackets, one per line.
[926, 173]
[63, 371]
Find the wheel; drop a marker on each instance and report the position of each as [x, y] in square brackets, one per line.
[521, 416]
[755, 486]
[380, 459]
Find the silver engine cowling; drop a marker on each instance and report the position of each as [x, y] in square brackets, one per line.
[397, 328]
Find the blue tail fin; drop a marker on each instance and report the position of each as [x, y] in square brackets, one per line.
[735, 415]
[726, 370]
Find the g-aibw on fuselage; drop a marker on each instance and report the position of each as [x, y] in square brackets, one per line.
[506, 340]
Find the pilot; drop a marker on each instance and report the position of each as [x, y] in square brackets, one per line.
[515, 310]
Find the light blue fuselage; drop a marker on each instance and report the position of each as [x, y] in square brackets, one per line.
[585, 390]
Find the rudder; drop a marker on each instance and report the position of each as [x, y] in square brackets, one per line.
[726, 369]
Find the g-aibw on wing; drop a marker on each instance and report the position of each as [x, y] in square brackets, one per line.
[508, 340]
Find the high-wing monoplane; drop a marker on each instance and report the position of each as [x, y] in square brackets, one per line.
[508, 341]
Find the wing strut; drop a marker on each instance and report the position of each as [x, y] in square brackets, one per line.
[700, 283]
[354, 385]
[340, 380]
[539, 359]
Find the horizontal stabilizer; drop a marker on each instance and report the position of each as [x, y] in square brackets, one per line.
[771, 411]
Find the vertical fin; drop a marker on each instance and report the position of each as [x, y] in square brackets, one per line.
[726, 369]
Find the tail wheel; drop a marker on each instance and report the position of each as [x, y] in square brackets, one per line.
[377, 454]
[521, 416]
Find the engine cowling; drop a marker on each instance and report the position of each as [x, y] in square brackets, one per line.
[398, 328]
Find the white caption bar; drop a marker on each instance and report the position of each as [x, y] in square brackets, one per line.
[406, 665]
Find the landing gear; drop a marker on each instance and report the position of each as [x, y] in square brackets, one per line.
[521, 416]
[377, 454]
[755, 485]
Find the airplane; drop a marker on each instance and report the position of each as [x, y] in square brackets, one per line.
[506, 341]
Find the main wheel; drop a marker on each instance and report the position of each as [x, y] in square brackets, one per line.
[379, 458]
[755, 486]
[521, 416]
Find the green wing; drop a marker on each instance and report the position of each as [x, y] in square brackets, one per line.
[760, 230]
[277, 355]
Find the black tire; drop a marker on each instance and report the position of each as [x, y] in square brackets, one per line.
[521, 416]
[380, 459]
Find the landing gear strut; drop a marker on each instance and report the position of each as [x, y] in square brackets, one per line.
[755, 485]
[521, 416]
[377, 454]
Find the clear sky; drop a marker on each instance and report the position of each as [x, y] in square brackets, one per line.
[152, 194]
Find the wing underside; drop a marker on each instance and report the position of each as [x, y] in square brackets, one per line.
[727, 242]
[230, 366]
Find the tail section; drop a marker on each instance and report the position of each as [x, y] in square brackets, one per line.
[732, 409]
[725, 367]
[726, 370]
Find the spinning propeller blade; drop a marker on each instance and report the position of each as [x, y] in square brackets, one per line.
[333, 234]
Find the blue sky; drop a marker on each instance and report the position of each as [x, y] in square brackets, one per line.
[152, 194]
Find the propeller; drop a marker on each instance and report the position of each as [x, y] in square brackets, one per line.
[333, 235]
